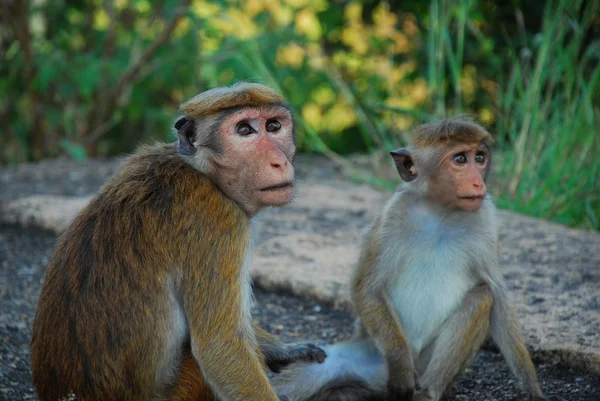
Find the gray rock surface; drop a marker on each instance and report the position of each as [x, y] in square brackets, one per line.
[309, 248]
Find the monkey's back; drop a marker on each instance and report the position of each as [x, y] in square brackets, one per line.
[108, 308]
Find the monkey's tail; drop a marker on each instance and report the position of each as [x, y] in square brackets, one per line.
[353, 371]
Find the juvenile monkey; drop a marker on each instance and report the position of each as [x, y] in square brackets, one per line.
[427, 288]
[148, 294]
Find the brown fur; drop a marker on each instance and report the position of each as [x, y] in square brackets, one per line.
[449, 130]
[148, 293]
[190, 385]
[240, 94]
[106, 342]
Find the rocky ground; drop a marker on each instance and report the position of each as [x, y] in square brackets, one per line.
[25, 252]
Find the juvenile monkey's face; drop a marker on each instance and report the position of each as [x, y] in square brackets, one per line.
[458, 181]
[255, 160]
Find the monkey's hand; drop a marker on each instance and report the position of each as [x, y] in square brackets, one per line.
[305, 352]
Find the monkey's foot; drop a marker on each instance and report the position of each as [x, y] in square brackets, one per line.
[297, 352]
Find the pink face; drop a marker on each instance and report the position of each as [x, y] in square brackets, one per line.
[255, 164]
[459, 179]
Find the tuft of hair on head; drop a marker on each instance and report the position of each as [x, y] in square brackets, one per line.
[223, 98]
[455, 129]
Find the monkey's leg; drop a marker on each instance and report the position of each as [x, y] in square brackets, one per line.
[277, 354]
[190, 384]
[457, 343]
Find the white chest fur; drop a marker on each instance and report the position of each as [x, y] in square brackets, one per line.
[430, 271]
[429, 288]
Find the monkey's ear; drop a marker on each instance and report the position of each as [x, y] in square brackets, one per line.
[404, 164]
[185, 134]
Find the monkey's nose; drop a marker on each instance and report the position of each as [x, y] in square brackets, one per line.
[279, 164]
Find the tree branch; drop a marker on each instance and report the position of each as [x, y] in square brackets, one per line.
[130, 76]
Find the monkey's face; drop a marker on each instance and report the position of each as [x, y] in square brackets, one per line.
[458, 182]
[254, 163]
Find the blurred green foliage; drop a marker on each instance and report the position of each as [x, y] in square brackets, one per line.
[97, 77]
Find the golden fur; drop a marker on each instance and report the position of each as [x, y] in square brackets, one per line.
[240, 94]
[449, 130]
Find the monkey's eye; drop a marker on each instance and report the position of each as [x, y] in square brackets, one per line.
[480, 157]
[273, 126]
[244, 129]
[460, 158]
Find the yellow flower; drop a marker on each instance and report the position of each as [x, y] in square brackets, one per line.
[121, 4]
[401, 43]
[486, 115]
[298, 3]
[404, 102]
[317, 5]
[206, 10]
[312, 115]
[340, 117]
[403, 123]
[419, 90]
[282, 15]
[292, 55]
[183, 26]
[209, 43]
[384, 21]
[253, 7]
[308, 24]
[381, 65]
[317, 61]
[101, 20]
[323, 95]
[354, 63]
[353, 12]
[236, 23]
[355, 38]
[400, 72]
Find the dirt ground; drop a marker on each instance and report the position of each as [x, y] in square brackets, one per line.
[24, 254]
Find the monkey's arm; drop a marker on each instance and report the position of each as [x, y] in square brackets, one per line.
[506, 333]
[382, 324]
[221, 333]
[277, 354]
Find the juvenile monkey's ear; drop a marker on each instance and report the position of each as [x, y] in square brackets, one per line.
[404, 164]
[185, 134]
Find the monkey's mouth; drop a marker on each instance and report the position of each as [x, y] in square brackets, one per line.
[278, 187]
[478, 197]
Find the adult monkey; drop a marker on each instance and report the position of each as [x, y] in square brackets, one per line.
[155, 268]
[427, 288]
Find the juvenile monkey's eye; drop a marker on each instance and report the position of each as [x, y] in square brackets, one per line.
[244, 129]
[480, 157]
[460, 158]
[273, 125]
